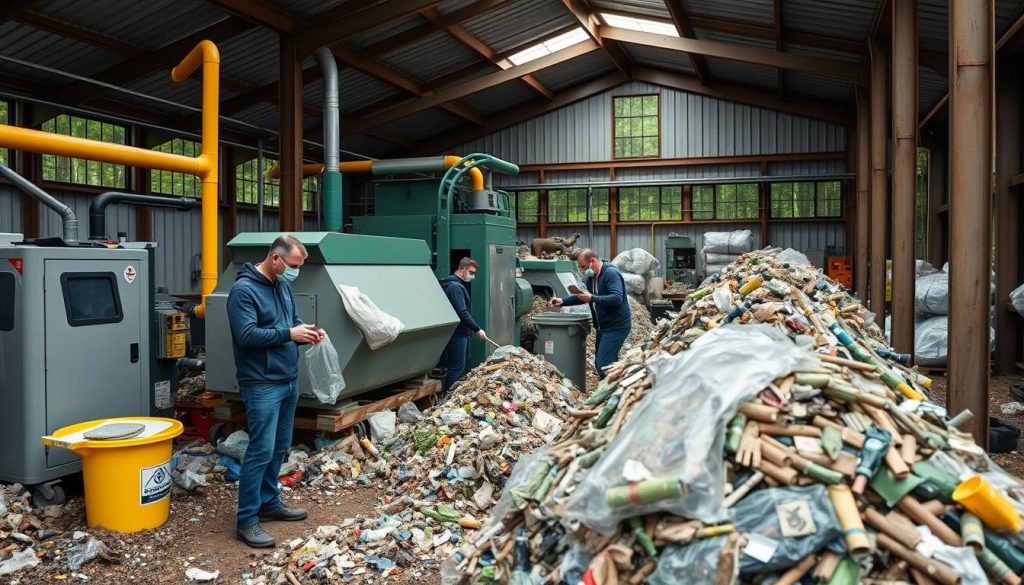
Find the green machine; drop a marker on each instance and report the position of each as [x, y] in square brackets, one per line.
[457, 219]
[681, 260]
[550, 278]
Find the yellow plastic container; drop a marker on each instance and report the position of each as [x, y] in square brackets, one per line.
[127, 481]
[980, 498]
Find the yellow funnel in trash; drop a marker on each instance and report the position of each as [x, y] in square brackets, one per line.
[127, 480]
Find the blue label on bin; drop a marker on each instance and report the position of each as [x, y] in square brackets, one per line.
[155, 483]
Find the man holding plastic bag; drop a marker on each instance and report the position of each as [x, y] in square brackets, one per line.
[609, 307]
[457, 292]
[265, 334]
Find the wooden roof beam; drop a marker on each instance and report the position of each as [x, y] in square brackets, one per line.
[419, 32]
[259, 12]
[685, 29]
[13, 8]
[756, 55]
[588, 21]
[337, 24]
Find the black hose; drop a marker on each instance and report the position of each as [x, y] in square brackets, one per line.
[98, 208]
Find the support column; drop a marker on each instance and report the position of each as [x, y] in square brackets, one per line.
[879, 180]
[904, 171]
[290, 137]
[863, 221]
[613, 216]
[141, 184]
[229, 221]
[1007, 202]
[27, 164]
[937, 222]
[970, 101]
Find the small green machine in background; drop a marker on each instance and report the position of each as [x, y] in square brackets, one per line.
[681, 260]
[456, 221]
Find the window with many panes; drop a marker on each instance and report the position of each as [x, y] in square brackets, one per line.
[525, 206]
[5, 117]
[79, 171]
[168, 183]
[247, 177]
[650, 203]
[636, 126]
[728, 201]
[806, 200]
[570, 205]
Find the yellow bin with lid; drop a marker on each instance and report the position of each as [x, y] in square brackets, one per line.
[126, 467]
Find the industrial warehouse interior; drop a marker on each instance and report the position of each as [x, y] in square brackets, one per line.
[468, 292]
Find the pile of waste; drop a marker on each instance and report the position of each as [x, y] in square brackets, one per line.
[723, 248]
[191, 387]
[442, 470]
[639, 333]
[768, 434]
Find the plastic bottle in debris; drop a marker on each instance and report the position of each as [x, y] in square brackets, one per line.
[521, 560]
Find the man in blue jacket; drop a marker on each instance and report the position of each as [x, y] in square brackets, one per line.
[265, 334]
[458, 295]
[609, 307]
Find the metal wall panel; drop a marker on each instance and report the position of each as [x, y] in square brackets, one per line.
[809, 238]
[178, 235]
[691, 126]
[527, 234]
[10, 209]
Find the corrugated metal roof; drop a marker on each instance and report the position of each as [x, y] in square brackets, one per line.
[930, 88]
[150, 25]
[356, 90]
[420, 125]
[362, 144]
[825, 53]
[644, 7]
[431, 57]
[500, 98]
[251, 57]
[818, 88]
[575, 71]
[519, 23]
[851, 19]
[305, 8]
[375, 35]
[745, 10]
[1006, 11]
[744, 40]
[743, 73]
[933, 25]
[159, 84]
[55, 51]
[453, 5]
[264, 115]
[659, 58]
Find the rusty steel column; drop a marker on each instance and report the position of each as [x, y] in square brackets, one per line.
[937, 222]
[290, 135]
[904, 171]
[863, 223]
[970, 99]
[1007, 202]
[879, 181]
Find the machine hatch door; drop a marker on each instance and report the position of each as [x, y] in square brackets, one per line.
[94, 340]
[501, 318]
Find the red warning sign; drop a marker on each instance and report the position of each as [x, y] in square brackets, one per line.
[17, 264]
[129, 274]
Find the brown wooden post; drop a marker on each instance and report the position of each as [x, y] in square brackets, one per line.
[863, 198]
[879, 180]
[141, 184]
[687, 203]
[28, 165]
[290, 135]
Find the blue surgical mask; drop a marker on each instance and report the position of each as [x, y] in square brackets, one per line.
[589, 273]
[289, 274]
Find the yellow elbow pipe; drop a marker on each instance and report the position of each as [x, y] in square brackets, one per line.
[366, 166]
[476, 176]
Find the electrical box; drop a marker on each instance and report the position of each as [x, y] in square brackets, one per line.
[681, 260]
[172, 333]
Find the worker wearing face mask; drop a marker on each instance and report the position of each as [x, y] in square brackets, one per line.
[609, 307]
[454, 357]
[265, 334]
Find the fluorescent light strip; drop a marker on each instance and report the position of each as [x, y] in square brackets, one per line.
[639, 24]
[549, 46]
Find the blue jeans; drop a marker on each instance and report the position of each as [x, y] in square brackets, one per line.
[608, 344]
[270, 412]
[455, 359]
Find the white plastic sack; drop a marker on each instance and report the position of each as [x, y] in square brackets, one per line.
[710, 269]
[931, 294]
[931, 341]
[678, 431]
[637, 261]
[720, 258]
[1017, 299]
[382, 424]
[736, 242]
[324, 371]
[634, 283]
[408, 413]
[378, 327]
[923, 268]
[794, 257]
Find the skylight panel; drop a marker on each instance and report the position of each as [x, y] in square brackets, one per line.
[553, 45]
[640, 24]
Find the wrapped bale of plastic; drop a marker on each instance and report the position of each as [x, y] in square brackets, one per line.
[635, 284]
[710, 269]
[792, 257]
[735, 242]
[637, 261]
[931, 294]
[931, 341]
[1017, 299]
[721, 259]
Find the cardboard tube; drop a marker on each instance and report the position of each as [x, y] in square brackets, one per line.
[771, 452]
[918, 513]
[760, 412]
[895, 463]
[826, 566]
[791, 430]
[934, 507]
[795, 573]
[921, 578]
[743, 489]
[849, 520]
[783, 475]
[850, 436]
[941, 573]
[908, 451]
[883, 420]
[908, 537]
[831, 359]
[971, 532]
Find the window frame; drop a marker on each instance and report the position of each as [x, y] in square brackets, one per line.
[715, 207]
[310, 186]
[66, 277]
[600, 210]
[813, 197]
[155, 175]
[517, 208]
[659, 205]
[103, 124]
[657, 116]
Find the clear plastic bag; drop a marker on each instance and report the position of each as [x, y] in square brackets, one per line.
[1017, 299]
[720, 258]
[764, 512]
[382, 424]
[736, 242]
[794, 258]
[379, 328]
[634, 283]
[637, 261]
[84, 553]
[677, 432]
[324, 371]
[693, 564]
[235, 445]
[408, 413]
[710, 269]
[25, 559]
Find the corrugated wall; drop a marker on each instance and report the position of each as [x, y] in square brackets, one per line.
[178, 235]
[10, 209]
[691, 126]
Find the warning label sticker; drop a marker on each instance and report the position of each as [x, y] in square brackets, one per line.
[154, 483]
[549, 347]
[162, 394]
[129, 274]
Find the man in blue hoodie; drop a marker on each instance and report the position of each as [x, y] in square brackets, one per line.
[609, 307]
[265, 334]
[455, 289]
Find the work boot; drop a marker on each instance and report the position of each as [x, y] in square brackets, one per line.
[255, 536]
[285, 514]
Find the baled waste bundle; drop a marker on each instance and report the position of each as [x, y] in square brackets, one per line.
[442, 470]
[766, 435]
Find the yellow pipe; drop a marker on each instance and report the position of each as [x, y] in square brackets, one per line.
[206, 54]
[366, 166]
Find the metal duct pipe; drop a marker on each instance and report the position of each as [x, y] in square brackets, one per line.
[427, 164]
[331, 187]
[68, 220]
[98, 208]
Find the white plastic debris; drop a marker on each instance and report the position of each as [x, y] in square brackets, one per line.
[197, 574]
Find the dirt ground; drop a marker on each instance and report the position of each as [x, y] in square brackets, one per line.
[999, 395]
[200, 533]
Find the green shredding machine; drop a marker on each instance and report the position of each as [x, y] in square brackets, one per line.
[550, 278]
